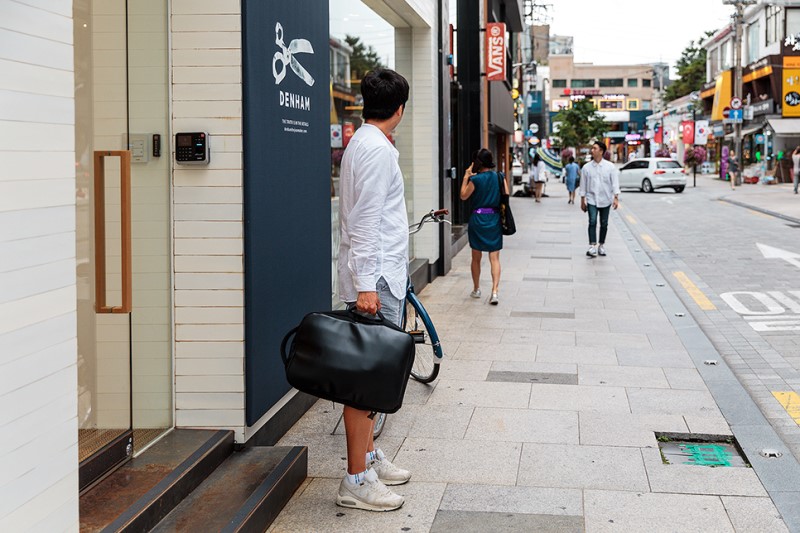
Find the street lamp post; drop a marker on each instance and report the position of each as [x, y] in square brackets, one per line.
[695, 96]
[738, 19]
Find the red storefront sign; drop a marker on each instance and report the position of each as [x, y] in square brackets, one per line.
[348, 129]
[495, 51]
[687, 129]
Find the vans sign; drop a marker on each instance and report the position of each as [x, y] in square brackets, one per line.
[495, 51]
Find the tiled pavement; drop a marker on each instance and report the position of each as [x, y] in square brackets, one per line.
[544, 413]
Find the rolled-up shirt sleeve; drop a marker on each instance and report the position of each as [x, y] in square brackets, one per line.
[372, 177]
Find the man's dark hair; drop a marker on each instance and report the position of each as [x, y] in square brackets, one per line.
[571, 159]
[384, 91]
[601, 145]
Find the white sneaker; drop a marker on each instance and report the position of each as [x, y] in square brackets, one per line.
[388, 473]
[592, 251]
[493, 300]
[370, 494]
[601, 250]
[475, 294]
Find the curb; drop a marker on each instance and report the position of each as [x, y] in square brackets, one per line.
[762, 210]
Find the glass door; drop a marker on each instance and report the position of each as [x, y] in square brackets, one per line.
[123, 229]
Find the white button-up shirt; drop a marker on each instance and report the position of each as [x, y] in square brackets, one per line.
[372, 212]
[599, 183]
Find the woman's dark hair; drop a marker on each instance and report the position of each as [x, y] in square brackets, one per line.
[571, 159]
[384, 91]
[482, 159]
[536, 159]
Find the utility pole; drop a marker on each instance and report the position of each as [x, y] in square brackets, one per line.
[738, 19]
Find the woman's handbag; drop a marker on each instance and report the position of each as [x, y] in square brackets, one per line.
[506, 217]
[349, 358]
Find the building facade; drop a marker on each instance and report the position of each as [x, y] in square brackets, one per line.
[770, 57]
[623, 94]
[147, 276]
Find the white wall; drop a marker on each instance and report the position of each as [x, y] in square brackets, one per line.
[38, 383]
[208, 221]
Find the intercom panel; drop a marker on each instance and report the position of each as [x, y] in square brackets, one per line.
[191, 148]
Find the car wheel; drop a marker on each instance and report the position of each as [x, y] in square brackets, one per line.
[647, 186]
[678, 189]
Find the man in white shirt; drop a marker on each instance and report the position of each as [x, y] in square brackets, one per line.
[599, 191]
[373, 267]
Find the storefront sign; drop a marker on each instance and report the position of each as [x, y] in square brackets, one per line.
[495, 51]
[763, 108]
[287, 163]
[585, 92]
[791, 87]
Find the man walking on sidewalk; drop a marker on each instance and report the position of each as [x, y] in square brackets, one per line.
[373, 267]
[599, 191]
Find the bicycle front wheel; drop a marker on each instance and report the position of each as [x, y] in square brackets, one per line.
[426, 362]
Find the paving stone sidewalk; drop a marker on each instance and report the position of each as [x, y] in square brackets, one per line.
[544, 415]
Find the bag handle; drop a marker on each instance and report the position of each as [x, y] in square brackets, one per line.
[284, 342]
[377, 318]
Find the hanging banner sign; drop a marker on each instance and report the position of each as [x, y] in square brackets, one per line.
[495, 51]
[687, 130]
[701, 132]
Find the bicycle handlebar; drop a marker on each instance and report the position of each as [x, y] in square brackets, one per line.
[434, 216]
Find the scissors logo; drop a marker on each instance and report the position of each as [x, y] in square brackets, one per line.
[286, 57]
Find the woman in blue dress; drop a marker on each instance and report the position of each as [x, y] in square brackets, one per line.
[481, 186]
[571, 170]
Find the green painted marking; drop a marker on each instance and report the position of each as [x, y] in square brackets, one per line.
[707, 454]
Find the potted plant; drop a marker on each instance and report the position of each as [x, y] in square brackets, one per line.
[694, 156]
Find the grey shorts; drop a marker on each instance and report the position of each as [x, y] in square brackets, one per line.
[391, 307]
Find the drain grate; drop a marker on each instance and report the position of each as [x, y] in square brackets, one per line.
[714, 451]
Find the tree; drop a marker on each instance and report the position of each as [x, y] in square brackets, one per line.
[363, 59]
[691, 67]
[580, 124]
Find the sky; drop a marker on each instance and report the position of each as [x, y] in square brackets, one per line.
[635, 31]
[618, 32]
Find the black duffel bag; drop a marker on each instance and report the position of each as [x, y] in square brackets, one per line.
[348, 358]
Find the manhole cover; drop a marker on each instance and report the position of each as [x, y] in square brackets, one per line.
[713, 454]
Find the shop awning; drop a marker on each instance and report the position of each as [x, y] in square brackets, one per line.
[785, 127]
[746, 131]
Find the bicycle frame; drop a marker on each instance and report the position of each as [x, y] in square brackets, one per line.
[411, 296]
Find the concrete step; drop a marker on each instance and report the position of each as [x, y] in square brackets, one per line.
[245, 493]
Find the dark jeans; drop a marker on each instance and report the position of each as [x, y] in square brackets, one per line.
[604, 211]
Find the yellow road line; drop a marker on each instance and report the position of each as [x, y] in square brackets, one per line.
[630, 219]
[650, 242]
[791, 402]
[758, 213]
[697, 295]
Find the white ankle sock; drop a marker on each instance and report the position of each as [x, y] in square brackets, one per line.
[356, 479]
[376, 455]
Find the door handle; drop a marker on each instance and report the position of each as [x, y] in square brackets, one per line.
[100, 230]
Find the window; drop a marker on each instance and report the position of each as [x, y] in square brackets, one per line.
[633, 82]
[647, 83]
[611, 104]
[725, 55]
[559, 84]
[633, 105]
[773, 24]
[610, 82]
[752, 41]
[581, 84]
[668, 164]
[792, 21]
[647, 105]
[714, 62]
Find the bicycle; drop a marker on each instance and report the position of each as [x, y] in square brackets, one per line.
[417, 322]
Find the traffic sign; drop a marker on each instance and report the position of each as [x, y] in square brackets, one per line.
[736, 115]
[726, 112]
[534, 128]
[736, 102]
